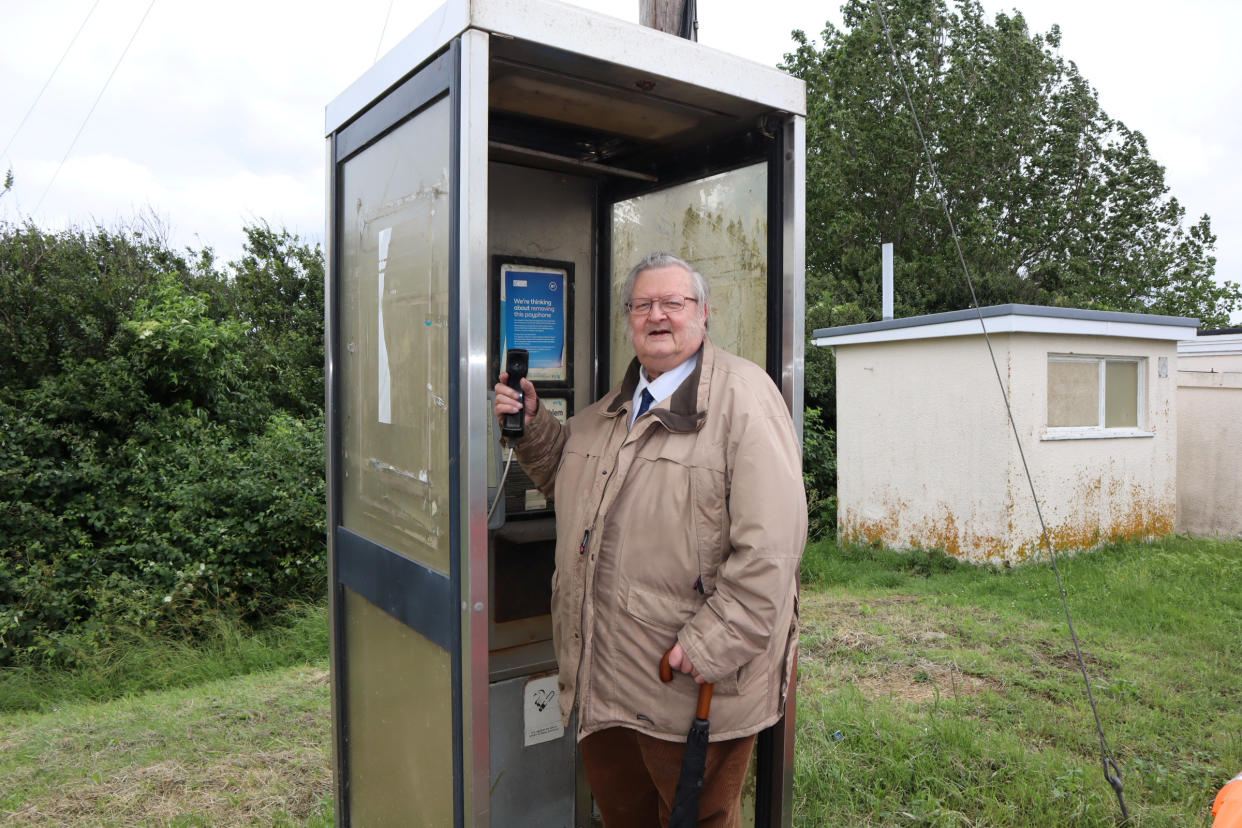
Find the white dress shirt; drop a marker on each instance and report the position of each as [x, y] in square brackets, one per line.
[663, 386]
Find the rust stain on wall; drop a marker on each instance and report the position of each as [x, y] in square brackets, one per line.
[853, 529]
[1104, 511]
[1142, 520]
[896, 528]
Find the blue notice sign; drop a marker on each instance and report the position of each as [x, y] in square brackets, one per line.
[533, 317]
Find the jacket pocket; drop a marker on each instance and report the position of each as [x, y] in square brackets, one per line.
[664, 611]
[668, 614]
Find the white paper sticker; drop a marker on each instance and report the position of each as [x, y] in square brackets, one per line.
[541, 711]
[385, 376]
[535, 500]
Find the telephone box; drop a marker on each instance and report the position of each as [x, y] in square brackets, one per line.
[490, 182]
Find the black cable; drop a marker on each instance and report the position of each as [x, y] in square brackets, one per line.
[55, 69]
[383, 29]
[1112, 772]
[98, 97]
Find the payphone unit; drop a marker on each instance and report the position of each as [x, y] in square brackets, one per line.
[490, 182]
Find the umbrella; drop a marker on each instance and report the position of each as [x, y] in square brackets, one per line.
[686, 799]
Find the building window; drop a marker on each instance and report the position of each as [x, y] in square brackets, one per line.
[1095, 395]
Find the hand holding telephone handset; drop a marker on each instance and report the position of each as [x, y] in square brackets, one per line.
[517, 361]
[511, 407]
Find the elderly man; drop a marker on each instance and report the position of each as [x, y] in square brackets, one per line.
[680, 520]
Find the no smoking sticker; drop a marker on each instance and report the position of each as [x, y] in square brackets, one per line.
[541, 711]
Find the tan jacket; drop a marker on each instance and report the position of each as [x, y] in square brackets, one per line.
[689, 527]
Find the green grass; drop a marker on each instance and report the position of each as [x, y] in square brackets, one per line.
[233, 729]
[134, 663]
[251, 750]
[931, 694]
[939, 694]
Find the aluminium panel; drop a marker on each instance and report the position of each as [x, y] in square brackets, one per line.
[473, 442]
[793, 234]
[532, 781]
[576, 31]
[336, 626]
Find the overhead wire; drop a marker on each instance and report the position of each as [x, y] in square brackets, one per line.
[91, 112]
[383, 29]
[1112, 771]
[48, 82]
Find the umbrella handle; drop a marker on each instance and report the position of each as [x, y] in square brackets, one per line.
[705, 689]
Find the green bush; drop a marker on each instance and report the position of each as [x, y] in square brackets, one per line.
[161, 437]
[819, 474]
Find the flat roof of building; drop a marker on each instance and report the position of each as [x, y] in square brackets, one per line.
[1012, 319]
[1222, 342]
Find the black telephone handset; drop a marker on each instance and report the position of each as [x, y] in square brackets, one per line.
[517, 360]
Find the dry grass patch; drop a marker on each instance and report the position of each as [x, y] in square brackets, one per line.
[894, 646]
[252, 789]
[248, 751]
[924, 682]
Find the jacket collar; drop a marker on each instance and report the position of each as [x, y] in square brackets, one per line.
[687, 408]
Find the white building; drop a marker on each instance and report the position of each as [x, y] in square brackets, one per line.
[926, 456]
[1209, 429]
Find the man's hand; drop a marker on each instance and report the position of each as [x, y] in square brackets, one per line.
[507, 399]
[678, 660]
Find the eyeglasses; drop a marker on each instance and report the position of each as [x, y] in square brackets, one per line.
[671, 304]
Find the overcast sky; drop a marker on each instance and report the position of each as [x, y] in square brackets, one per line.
[214, 118]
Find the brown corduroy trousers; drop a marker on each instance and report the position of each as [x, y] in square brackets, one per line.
[633, 777]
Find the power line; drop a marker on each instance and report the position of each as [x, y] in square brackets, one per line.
[1112, 772]
[383, 29]
[55, 69]
[72, 143]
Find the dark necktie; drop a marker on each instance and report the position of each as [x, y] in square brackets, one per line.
[644, 402]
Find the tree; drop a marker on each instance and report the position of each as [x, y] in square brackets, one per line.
[161, 435]
[277, 289]
[64, 296]
[1055, 202]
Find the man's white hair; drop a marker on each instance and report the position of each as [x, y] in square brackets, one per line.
[653, 260]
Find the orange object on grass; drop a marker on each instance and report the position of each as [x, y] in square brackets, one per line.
[1228, 805]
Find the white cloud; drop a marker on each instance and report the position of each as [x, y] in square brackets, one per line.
[215, 117]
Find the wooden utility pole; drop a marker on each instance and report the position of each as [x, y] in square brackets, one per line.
[670, 16]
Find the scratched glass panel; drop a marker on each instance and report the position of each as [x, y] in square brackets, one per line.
[400, 721]
[718, 224]
[1073, 393]
[394, 339]
[1121, 394]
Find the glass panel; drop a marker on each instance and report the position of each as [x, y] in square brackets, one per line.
[718, 224]
[1121, 394]
[1073, 393]
[399, 721]
[395, 337]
